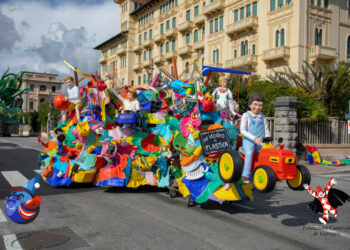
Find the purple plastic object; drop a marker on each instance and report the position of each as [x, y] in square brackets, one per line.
[154, 80]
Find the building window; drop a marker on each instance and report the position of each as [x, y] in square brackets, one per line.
[272, 5]
[150, 34]
[188, 38]
[140, 39]
[145, 55]
[253, 49]
[326, 2]
[349, 7]
[172, 70]
[173, 45]
[280, 3]
[203, 31]
[140, 57]
[195, 36]
[174, 22]
[53, 89]
[150, 54]
[255, 9]
[167, 26]
[211, 26]
[31, 105]
[222, 23]
[139, 80]
[235, 53]
[145, 36]
[236, 16]
[132, 83]
[144, 79]
[282, 37]
[319, 3]
[188, 15]
[318, 36]
[42, 100]
[32, 87]
[161, 28]
[244, 48]
[277, 38]
[216, 55]
[312, 2]
[242, 13]
[42, 88]
[167, 47]
[289, 2]
[348, 49]
[196, 10]
[187, 69]
[248, 10]
[161, 49]
[216, 24]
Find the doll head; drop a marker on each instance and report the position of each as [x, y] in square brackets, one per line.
[131, 95]
[69, 80]
[320, 192]
[256, 103]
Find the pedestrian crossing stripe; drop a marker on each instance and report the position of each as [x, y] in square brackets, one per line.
[38, 171]
[2, 216]
[14, 178]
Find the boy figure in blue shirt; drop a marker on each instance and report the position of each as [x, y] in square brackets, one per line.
[253, 128]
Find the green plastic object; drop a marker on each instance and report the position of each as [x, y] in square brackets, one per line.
[180, 141]
[176, 172]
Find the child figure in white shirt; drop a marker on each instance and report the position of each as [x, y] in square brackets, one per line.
[131, 103]
[224, 100]
[253, 128]
[73, 97]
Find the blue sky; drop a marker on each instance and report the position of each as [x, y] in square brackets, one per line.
[38, 35]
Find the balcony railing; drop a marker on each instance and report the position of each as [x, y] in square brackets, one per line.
[102, 59]
[148, 43]
[323, 52]
[159, 59]
[198, 45]
[218, 5]
[146, 63]
[198, 20]
[185, 50]
[171, 32]
[137, 47]
[170, 55]
[282, 52]
[248, 60]
[242, 25]
[159, 38]
[122, 51]
[137, 66]
[186, 26]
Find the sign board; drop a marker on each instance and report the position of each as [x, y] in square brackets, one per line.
[214, 141]
[348, 126]
[347, 116]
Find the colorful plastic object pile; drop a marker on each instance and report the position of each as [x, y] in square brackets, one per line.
[158, 145]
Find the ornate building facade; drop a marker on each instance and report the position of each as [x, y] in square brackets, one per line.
[253, 35]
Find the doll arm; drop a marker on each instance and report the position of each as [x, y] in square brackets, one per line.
[330, 184]
[309, 189]
[244, 127]
[266, 128]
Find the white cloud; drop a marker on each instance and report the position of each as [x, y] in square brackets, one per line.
[44, 35]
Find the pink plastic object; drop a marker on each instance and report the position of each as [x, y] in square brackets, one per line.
[154, 80]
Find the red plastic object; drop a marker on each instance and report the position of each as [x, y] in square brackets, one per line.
[281, 146]
[60, 103]
[101, 85]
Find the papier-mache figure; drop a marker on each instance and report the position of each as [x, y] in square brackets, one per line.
[327, 200]
[73, 97]
[224, 99]
[130, 103]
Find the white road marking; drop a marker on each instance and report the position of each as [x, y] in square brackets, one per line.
[20, 144]
[243, 206]
[8, 147]
[11, 243]
[2, 217]
[38, 171]
[15, 178]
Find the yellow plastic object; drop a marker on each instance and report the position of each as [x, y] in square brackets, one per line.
[136, 179]
[144, 163]
[290, 160]
[182, 187]
[82, 176]
[260, 179]
[248, 190]
[226, 166]
[267, 146]
[316, 156]
[65, 129]
[274, 159]
[103, 109]
[327, 162]
[79, 145]
[296, 182]
[83, 128]
[231, 194]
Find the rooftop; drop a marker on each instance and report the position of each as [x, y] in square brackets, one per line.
[121, 34]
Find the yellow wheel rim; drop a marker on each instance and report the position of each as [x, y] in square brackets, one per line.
[296, 182]
[260, 179]
[226, 166]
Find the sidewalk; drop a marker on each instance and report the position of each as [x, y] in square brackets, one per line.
[321, 169]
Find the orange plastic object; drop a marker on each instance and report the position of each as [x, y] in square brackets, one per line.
[60, 103]
[147, 144]
[117, 171]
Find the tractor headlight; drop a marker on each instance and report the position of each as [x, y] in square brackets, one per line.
[274, 159]
[290, 160]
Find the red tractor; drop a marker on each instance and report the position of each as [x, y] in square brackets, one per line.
[273, 164]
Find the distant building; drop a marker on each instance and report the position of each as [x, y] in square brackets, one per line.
[253, 35]
[44, 88]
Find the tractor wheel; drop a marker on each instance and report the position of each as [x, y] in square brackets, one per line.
[172, 193]
[302, 176]
[230, 166]
[264, 179]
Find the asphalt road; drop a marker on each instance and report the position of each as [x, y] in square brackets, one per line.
[85, 217]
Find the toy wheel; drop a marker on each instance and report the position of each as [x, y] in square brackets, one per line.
[230, 166]
[172, 194]
[189, 201]
[302, 176]
[264, 179]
